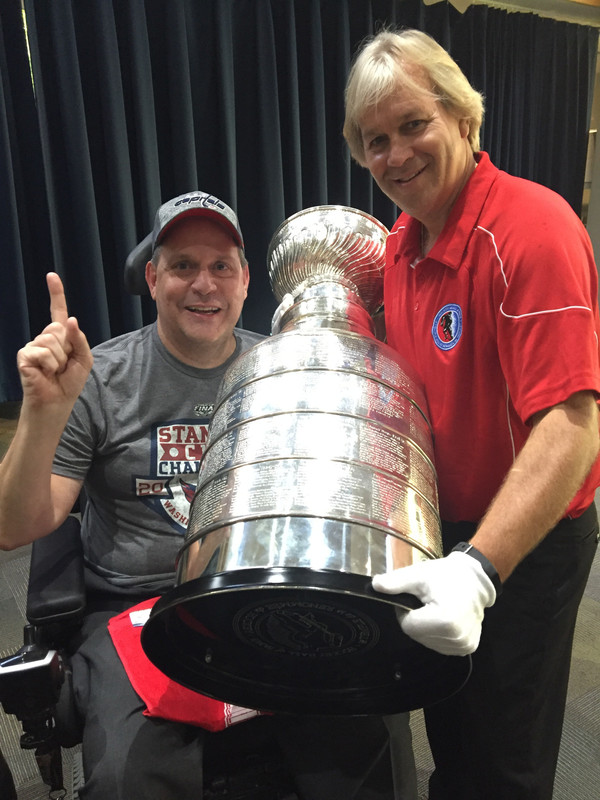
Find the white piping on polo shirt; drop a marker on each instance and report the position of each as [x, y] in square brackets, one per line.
[521, 316]
[529, 313]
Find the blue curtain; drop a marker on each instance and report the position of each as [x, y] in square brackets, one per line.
[135, 101]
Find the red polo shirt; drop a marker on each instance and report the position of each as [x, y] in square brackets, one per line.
[500, 320]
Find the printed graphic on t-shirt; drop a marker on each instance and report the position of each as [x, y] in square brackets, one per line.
[168, 488]
[447, 326]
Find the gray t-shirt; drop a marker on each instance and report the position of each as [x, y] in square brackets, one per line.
[135, 437]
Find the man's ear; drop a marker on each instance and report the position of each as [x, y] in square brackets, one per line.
[151, 278]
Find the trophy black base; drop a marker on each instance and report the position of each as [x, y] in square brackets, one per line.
[295, 640]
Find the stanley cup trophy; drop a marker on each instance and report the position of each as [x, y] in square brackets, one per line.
[318, 474]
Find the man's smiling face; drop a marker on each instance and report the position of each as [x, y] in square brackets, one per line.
[418, 154]
[199, 284]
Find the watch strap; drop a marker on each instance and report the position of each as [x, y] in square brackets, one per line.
[488, 567]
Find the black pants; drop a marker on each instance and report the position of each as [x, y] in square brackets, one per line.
[128, 756]
[499, 737]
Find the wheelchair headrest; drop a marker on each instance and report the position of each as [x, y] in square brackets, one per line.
[135, 267]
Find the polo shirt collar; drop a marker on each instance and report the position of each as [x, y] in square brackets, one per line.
[451, 244]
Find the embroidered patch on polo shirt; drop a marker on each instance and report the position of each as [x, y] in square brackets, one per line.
[447, 326]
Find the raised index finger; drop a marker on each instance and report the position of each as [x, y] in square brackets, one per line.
[58, 302]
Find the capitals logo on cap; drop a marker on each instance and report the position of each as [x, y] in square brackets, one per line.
[199, 204]
[447, 326]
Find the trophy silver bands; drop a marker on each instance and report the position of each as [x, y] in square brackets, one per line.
[318, 473]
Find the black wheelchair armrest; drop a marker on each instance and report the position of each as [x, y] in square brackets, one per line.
[56, 591]
[35, 682]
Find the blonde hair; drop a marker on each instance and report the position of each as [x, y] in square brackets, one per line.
[393, 58]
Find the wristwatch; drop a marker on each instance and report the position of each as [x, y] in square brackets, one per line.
[488, 567]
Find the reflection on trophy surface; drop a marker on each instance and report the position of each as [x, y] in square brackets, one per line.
[318, 474]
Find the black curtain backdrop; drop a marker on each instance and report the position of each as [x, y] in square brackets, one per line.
[136, 101]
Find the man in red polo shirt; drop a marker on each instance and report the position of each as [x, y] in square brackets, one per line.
[490, 292]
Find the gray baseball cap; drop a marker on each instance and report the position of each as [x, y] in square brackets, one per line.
[195, 204]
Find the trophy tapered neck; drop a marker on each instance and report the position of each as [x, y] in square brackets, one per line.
[324, 303]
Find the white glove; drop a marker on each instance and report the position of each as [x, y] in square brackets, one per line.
[455, 590]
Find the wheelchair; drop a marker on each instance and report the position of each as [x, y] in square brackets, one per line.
[35, 685]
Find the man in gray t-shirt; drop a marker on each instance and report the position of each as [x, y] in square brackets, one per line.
[135, 437]
[128, 422]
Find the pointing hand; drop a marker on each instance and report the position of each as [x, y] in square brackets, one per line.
[55, 365]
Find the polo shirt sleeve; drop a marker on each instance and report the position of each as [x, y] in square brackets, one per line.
[547, 309]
